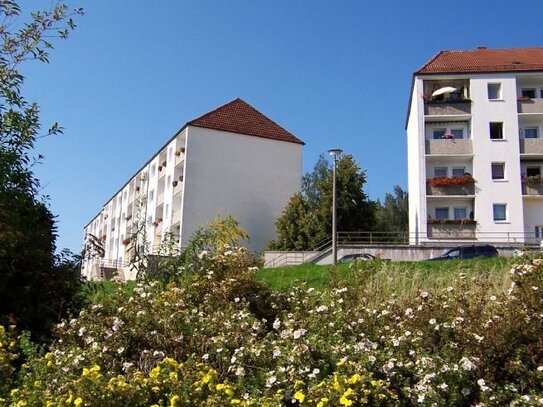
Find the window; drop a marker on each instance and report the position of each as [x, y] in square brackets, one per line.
[498, 170]
[439, 133]
[442, 213]
[528, 93]
[500, 212]
[457, 133]
[460, 213]
[153, 170]
[533, 171]
[496, 130]
[541, 93]
[169, 153]
[458, 171]
[494, 91]
[531, 132]
[440, 171]
[151, 194]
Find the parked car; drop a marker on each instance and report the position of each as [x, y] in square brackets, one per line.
[468, 252]
[360, 256]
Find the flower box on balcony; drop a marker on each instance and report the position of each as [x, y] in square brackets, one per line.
[458, 185]
[449, 181]
[127, 241]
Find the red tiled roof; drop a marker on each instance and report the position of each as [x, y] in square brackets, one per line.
[238, 116]
[484, 60]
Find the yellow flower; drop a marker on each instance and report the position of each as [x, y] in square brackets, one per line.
[173, 377]
[174, 400]
[78, 401]
[21, 403]
[344, 401]
[153, 374]
[324, 401]
[235, 401]
[299, 396]
[355, 378]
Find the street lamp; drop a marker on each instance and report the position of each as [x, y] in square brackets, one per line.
[334, 152]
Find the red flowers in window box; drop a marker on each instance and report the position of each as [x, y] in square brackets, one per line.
[448, 181]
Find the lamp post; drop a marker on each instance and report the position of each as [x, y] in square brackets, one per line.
[334, 152]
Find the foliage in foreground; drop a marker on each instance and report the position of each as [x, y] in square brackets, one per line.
[37, 288]
[219, 338]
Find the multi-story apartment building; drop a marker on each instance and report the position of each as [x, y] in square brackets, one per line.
[475, 147]
[230, 161]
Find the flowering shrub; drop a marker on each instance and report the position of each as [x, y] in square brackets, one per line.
[448, 181]
[218, 338]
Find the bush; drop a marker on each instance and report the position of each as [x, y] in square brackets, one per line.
[218, 338]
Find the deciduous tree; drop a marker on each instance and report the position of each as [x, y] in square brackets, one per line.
[34, 287]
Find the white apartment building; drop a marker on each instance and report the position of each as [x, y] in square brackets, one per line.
[230, 161]
[475, 147]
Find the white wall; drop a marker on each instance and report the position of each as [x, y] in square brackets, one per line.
[533, 216]
[487, 151]
[250, 178]
[416, 180]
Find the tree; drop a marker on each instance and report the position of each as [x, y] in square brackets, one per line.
[307, 219]
[32, 278]
[393, 214]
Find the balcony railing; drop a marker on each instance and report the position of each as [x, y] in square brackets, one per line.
[452, 230]
[447, 108]
[535, 188]
[449, 146]
[530, 106]
[531, 146]
[465, 189]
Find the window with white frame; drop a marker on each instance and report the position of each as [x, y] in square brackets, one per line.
[531, 132]
[533, 171]
[458, 171]
[494, 91]
[153, 170]
[496, 130]
[499, 211]
[442, 213]
[460, 213]
[151, 194]
[529, 93]
[498, 171]
[457, 133]
[440, 171]
[438, 134]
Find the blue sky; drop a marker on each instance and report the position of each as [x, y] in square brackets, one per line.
[334, 73]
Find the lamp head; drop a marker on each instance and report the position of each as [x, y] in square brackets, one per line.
[335, 152]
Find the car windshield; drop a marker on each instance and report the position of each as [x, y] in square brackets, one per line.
[453, 253]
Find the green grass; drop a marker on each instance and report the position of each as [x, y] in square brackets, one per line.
[96, 292]
[388, 278]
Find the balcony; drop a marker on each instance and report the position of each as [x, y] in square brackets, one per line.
[447, 107]
[449, 147]
[462, 185]
[531, 146]
[452, 229]
[532, 188]
[530, 106]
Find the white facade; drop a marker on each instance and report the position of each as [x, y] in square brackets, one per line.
[485, 128]
[199, 174]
